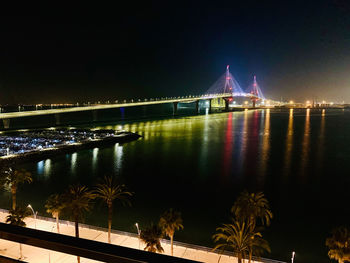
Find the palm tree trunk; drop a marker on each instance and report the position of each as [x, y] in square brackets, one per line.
[13, 193]
[20, 251]
[239, 256]
[58, 224]
[110, 212]
[171, 244]
[76, 228]
[77, 234]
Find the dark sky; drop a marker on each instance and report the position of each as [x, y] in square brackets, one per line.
[298, 50]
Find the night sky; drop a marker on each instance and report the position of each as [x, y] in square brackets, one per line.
[298, 50]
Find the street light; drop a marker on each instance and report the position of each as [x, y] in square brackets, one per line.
[34, 214]
[138, 232]
[293, 255]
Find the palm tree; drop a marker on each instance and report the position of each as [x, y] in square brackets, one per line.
[54, 205]
[249, 207]
[339, 244]
[109, 191]
[252, 206]
[77, 201]
[171, 221]
[236, 236]
[12, 178]
[16, 217]
[151, 236]
[258, 246]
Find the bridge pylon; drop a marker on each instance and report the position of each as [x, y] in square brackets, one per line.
[226, 84]
[255, 92]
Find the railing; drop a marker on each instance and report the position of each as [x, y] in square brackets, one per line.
[134, 235]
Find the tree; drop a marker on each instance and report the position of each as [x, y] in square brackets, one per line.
[54, 205]
[339, 244]
[12, 178]
[151, 236]
[236, 236]
[109, 191]
[252, 206]
[240, 238]
[171, 221]
[77, 201]
[16, 217]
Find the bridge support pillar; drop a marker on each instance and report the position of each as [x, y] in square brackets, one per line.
[6, 123]
[254, 102]
[175, 107]
[210, 105]
[57, 119]
[227, 101]
[197, 106]
[94, 115]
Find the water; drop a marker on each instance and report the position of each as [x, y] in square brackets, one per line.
[199, 164]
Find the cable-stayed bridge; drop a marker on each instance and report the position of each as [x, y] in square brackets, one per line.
[225, 88]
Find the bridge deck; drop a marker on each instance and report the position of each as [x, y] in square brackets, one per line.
[11, 115]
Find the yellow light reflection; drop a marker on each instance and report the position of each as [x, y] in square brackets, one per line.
[118, 157]
[305, 144]
[47, 167]
[289, 144]
[320, 143]
[265, 146]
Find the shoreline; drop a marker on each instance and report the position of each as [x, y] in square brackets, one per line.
[122, 238]
[37, 155]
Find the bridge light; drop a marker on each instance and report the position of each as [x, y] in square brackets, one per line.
[291, 102]
[246, 102]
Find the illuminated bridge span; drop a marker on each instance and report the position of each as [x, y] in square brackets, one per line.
[226, 88]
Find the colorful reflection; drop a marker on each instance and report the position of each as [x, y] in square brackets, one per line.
[252, 149]
[243, 144]
[228, 146]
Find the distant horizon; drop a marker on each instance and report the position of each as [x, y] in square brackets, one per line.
[298, 50]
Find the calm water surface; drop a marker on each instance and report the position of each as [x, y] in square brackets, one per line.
[300, 159]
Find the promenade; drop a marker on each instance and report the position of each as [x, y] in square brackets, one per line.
[38, 255]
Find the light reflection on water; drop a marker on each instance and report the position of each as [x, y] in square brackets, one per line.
[118, 157]
[264, 146]
[289, 145]
[44, 168]
[243, 138]
[73, 163]
[94, 158]
[305, 145]
[191, 160]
